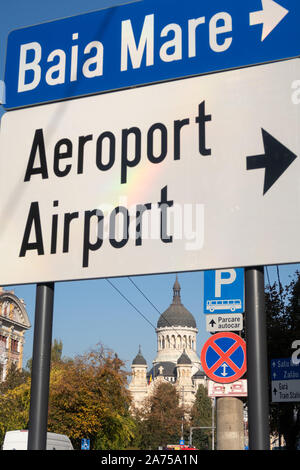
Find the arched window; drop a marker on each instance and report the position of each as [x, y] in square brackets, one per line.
[14, 345]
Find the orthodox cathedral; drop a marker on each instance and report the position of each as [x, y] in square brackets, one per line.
[176, 360]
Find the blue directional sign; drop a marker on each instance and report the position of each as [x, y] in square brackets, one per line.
[224, 291]
[285, 380]
[284, 369]
[145, 42]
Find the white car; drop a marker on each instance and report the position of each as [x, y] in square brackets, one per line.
[17, 440]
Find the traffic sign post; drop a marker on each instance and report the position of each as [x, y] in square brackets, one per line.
[40, 374]
[145, 42]
[234, 389]
[224, 322]
[223, 357]
[224, 291]
[257, 374]
[85, 444]
[51, 233]
[285, 380]
[202, 120]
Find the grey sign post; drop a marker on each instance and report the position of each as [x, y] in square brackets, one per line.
[40, 374]
[257, 364]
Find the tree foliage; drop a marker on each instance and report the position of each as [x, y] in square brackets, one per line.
[283, 327]
[87, 399]
[56, 351]
[14, 400]
[160, 419]
[201, 416]
[13, 379]
[14, 408]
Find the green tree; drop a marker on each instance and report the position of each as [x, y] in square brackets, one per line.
[14, 400]
[201, 416]
[13, 379]
[160, 419]
[283, 327]
[14, 408]
[56, 351]
[89, 399]
[56, 354]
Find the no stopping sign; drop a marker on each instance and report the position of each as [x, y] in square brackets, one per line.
[223, 357]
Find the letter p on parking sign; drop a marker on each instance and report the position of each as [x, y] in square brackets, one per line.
[222, 277]
[224, 291]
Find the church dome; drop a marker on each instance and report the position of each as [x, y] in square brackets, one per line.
[176, 314]
[184, 359]
[139, 359]
[200, 374]
[164, 369]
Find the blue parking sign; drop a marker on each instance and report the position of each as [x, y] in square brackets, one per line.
[224, 291]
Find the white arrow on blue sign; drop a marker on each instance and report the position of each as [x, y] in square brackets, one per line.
[224, 291]
[145, 42]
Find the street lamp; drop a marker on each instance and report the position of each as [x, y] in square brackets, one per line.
[182, 440]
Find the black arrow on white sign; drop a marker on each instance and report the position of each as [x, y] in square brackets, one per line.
[212, 323]
[276, 159]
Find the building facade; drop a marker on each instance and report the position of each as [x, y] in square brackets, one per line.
[176, 360]
[14, 322]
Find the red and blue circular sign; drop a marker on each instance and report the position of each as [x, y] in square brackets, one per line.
[223, 357]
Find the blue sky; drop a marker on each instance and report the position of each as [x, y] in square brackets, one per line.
[89, 312]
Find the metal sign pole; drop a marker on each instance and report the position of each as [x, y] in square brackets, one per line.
[213, 423]
[40, 374]
[257, 363]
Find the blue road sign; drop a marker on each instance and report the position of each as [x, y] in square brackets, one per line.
[285, 380]
[145, 42]
[223, 357]
[85, 444]
[284, 369]
[224, 291]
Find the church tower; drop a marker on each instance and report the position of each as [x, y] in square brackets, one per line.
[138, 384]
[176, 332]
[184, 383]
[176, 359]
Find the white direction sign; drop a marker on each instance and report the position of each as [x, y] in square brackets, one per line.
[285, 391]
[224, 322]
[199, 173]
